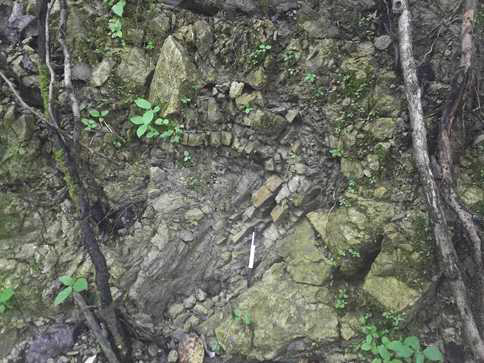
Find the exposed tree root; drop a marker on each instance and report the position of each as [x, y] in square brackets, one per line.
[432, 191]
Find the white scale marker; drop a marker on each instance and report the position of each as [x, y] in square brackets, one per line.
[252, 252]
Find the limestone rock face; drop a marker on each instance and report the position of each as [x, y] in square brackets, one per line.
[306, 262]
[281, 311]
[354, 229]
[134, 66]
[175, 76]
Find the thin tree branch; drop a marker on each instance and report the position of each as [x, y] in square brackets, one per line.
[49, 66]
[431, 190]
[22, 103]
[460, 84]
[96, 329]
[68, 79]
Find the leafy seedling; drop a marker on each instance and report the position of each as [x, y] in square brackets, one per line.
[96, 116]
[150, 127]
[116, 28]
[310, 77]
[186, 100]
[259, 54]
[118, 8]
[72, 285]
[5, 296]
[248, 109]
[336, 153]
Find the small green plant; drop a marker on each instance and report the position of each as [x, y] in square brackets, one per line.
[116, 28]
[352, 252]
[115, 24]
[118, 8]
[344, 202]
[259, 54]
[72, 285]
[150, 44]
[187, 157]
[336, 153]
[310, 77]
[150, 127]
[394, 318]
[96, 116]
[341, 299]
[379, 348]
[185, 100]
[215, 346]
[352, 187]
[291, 57]
[248, 109]
[6, 295]
[243, 317]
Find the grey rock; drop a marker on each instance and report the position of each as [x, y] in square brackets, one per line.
[200, 295]
[383, 42]
[172, 356]
[134, 66]
[81, 72]
[102, 72]
[236, 89]
[189, 302]
[175, 310]
[291, 115]
[54, 340]
[175, 76]
[186, 236]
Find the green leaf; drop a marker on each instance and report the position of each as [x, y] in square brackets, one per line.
[118, 8]
[6, 294]
[412, 342]
[148, 117]
[80, 284]
[384, 353]
[237, 313]
[376, 360]
[67, 280]
[419, 357]
[94, 113]
[2, 308]
[167, 134]
[104, 113]
[366, 346]
[141, 130]
[142, 103]
[385, 341]
[156, 109]
[137, 120]
[396, 361]
[63, 295]
[433, 353]
[152, 133]
[402, 350]
[90, 124]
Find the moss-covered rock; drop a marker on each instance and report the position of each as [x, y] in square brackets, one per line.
[305, 260]
[280, 311]
[356, 228]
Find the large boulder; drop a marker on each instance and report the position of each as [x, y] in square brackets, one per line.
[175, 77]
